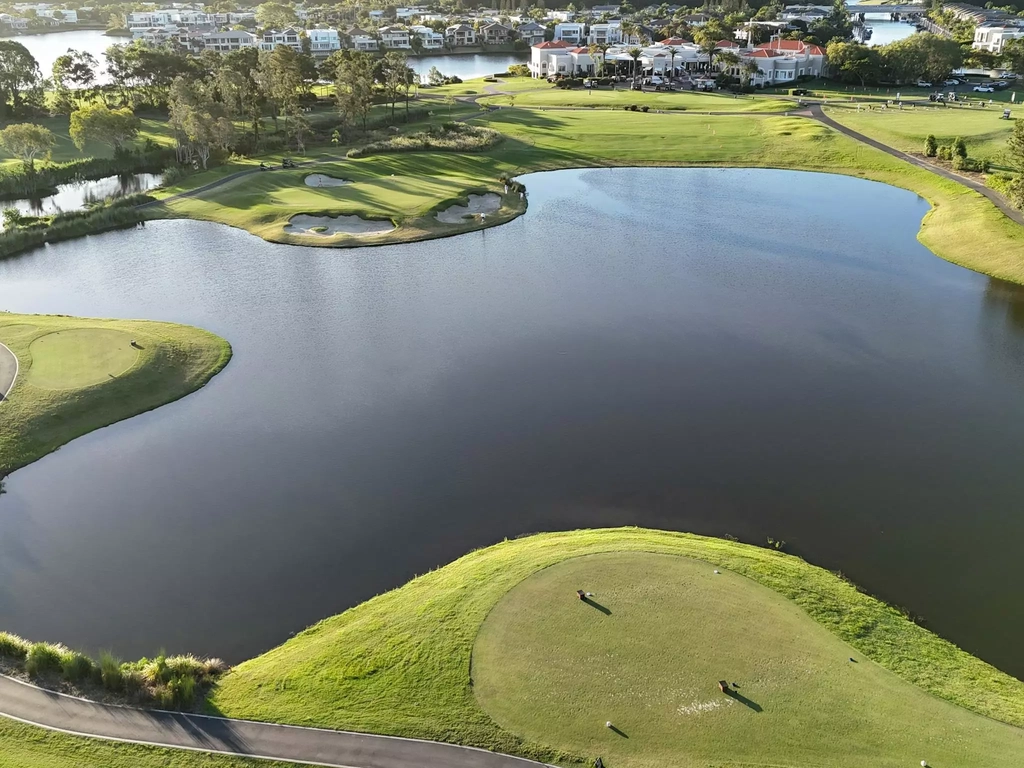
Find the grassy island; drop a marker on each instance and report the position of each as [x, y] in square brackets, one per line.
[77, 375]
[495, 650]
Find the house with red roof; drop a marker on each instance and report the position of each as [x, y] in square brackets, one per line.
[551, 58]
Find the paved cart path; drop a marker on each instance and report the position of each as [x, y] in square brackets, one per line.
[8, 371]
[336, 749]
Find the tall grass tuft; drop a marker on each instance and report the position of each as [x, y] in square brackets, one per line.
[110, 672]
[45, 657]
[76, 667]
[450, 137]
[13, 647]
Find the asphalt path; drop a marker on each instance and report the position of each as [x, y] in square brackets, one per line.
[335, 749]
[8, 371]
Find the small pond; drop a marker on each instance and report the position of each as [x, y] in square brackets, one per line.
[75, 195]
[746, 352]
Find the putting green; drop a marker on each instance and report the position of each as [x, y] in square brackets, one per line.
[647, 654]
[80, 357]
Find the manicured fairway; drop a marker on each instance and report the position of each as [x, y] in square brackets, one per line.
[675, 100]
[646, 654]
[78, 375]
[80, 357]
[22, 746]
[983, 130]
[400, 663]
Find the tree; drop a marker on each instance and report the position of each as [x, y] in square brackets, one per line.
[1013, 54]
[26, 141]
[353, 86]
[923, 55]
[959, 147]
[853, 62]
[199, 122]
[97, 122]
[634, 54]
[931, 146]
[596, 52]
[672, 51]
[239, 83]
[449, 101]
[282, 77]
[18, 72]
[74, 72]
[396, 75]
[749, 70]
[707, 38]
[434, 76]
[275, 15]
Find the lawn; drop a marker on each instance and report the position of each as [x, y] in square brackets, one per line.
[608, 98]
[963, 227]
[78, 375]
[23, 746]
[400, 663]
[983, 130]
[65, 149]
[646, 652]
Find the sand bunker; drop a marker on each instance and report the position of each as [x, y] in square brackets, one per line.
[478, 204]
[325, 226]
[320, 180]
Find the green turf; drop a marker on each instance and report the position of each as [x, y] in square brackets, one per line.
[400, 663]
[82, 383]
[65, 150]
[646, 654]
[22, 746]
[606, 97]
[80, 357]
[983, 130]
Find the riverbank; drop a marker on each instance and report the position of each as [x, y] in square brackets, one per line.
[406, 663]
[962, 227]
[77, 375]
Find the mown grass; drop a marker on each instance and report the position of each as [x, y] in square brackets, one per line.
[400, 663]
[24, 746]
[173, 360]
[646, 652]
[608, 98]
[982, 129]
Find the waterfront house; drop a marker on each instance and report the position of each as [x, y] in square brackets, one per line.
[394, 37]
[460, 35]
[273, 38]
[429, 39]
[361, 40]
[992, 36]
[551, 58]
[571, 32]
[609, 33]
[531, 33]
[225, 42]
[496, 34]
[323, 42]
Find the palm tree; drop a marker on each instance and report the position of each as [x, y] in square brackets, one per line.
[750, 69]
[728, 59]
[672, 51]
[595, 50]
[634, 54]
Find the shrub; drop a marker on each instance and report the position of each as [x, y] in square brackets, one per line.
[644, 108]
[931, 146]
[172, 175]
[944, 153]
[110, 672]
[633, 107]
[13, 647]
[959, 147]
[76, 667]
[626, 107]
[450, 137]
[44, 657]
[182, 691]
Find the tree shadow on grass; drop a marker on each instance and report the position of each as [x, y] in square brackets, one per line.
[595, 604]
[744, 700]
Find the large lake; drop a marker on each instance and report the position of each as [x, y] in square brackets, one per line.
[747, 352]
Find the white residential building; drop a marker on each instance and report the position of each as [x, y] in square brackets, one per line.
[362, 40]
[164, 17]
[157, 35]
[460, 35]
[323, 41]
[571, 32]
[394, 37]
[232, 40]
[993, 36]
[408, 13]
[550, 58]
[605, 34]
[430, 39]
[59, 14]
[14, 22]
[273, 38]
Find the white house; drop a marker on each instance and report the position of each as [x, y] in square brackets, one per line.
[14, 22]
[783, 61]
[609, 33]
[460, 35]
[394, 37]
[162, 18]
[993, 36]
[408, 13]
[551, 58]
[571, 32]
[361, 40]
[157, 35]
[430, 39]
[61, 15]
[323, 41]
[273, 38]
[232, 40]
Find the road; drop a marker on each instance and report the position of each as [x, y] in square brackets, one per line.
[8, 371]
[335, 749]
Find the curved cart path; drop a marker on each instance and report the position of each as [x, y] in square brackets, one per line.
[335, 749]
[8, 371]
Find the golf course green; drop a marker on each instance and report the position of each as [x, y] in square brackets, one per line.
[495, 650]
[77, 375]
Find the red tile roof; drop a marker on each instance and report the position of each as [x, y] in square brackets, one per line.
[792, 46]
[726, 44]
[552, 44]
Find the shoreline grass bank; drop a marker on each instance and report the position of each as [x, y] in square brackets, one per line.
[400, 663]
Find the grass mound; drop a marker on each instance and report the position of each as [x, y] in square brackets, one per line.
[449, 137]
[79, 375]
[400, 663]
[646, 653]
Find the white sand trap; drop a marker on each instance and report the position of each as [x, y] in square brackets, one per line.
[488, 203]
[321, 180]
[325, 226]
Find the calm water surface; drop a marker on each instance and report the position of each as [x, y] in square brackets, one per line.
[74, 196]
[467, 66]
[46, 48]
[752, 352]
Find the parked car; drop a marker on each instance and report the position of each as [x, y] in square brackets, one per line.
[923, 84]
[984, 89]
[953, 81]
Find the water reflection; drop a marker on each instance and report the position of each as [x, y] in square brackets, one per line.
[79, 194]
